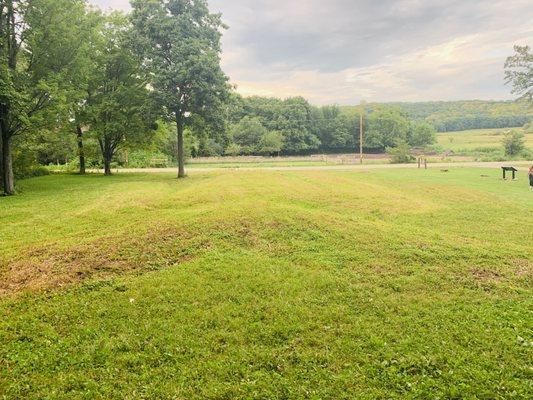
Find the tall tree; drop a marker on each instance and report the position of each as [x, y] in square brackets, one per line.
[519, 73]
[119, 108]
[35, 52]
[421, 134]
[83, 66]
[180, 41]
[295, 123]
[386, 126]
[335, 130]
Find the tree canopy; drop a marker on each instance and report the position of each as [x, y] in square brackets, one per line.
[180, 44]
[519, 73]
[38, 43]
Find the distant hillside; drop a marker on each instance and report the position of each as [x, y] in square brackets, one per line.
[450, 116]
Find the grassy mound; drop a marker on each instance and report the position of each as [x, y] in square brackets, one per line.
[389, 284]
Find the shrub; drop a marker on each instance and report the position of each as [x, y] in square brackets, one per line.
[210, 148]
[401, 154]
[513, 143]
[233, 150]
[39, 171]
[147, 159]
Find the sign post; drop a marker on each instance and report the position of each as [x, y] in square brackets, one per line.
[509, 169]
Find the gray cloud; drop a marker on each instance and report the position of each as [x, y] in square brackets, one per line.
[341, 51]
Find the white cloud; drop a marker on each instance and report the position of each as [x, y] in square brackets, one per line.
[341, 51]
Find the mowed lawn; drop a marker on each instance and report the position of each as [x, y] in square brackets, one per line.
[478, 139]
[268, 285]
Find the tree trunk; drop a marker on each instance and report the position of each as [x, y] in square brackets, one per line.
[181, 150]
[10, 43]
[8, 180]
[107, 153]
[107, 164]
[81, 152]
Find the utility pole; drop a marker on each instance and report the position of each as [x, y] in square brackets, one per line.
[361, 131]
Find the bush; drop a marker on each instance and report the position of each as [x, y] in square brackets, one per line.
[147, 159]
[38, 171]
[233, 150]
[513, 143]
[25, 165]
[401, 154]
[210, 148]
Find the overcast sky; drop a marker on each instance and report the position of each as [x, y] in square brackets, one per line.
[342, 51]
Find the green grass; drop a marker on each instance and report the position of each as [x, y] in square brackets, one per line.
[274, 164]
[468, 141]
[259, 164]
[268, 285]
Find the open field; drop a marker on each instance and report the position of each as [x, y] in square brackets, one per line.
[366, 167]
[389, 283]
[477, 139]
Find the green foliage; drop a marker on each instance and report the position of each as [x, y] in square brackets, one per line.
[271, 143]
[120, 110]
[209, 147]
[331, 129]
[247, 134]
[400, 153]
[233, 150]
[335, 130]
[293, 118]
[451, 116]
[295, 124]
[422, 134]
[386, 126]
[519, 73]
[179, 41]
[38, 42]
[147, 159]
[513, 143]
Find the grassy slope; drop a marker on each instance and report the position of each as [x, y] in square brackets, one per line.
[393, 284]
[476, 139]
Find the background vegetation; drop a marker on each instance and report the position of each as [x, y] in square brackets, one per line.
[83, 89]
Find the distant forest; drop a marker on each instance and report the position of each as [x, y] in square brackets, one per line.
[452, 116]
[261, 125]
[272, 126]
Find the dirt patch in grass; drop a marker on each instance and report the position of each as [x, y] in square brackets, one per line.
[486, 275]
[524, 268]
[520, 268]
[48, 267]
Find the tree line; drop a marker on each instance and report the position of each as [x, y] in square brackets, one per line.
[259, 125]
[452, 116]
